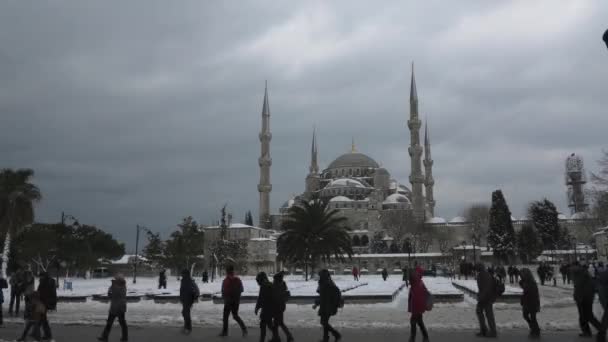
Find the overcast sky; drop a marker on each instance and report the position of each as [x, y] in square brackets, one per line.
[143, 112]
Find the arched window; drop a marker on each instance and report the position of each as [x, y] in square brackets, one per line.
[364, 240]
[356, 241]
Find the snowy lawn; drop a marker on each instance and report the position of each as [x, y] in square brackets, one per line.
[471, 285]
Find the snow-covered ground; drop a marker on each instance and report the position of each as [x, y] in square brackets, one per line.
[472, 286]
[558, 310]
[440, 286]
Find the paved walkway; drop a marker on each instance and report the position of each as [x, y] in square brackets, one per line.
[89, 333]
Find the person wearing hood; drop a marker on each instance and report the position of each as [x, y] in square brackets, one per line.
[486, 296]
[584, 294]
[188, 294]
[232, 287]
[328, 303]
[416, 305]
[117, 293]
[264, 306]
[530, 301]
[280, 297]
[48, 295]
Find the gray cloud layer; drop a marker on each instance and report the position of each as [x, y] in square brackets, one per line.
[143, 112]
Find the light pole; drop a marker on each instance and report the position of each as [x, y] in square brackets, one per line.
[64, 217]
[137, 251]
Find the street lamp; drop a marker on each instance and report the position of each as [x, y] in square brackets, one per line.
[137, 251]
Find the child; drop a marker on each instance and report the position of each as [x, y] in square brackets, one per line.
[34, 314]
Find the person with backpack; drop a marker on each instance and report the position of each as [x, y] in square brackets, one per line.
[417, 304]
[48, 296]
[188, 294]
[530, 301]
[264, 306]
[584, 294]
[117, 293]
[280, 297]
[232, 287]
[330, 299]
[486, 296]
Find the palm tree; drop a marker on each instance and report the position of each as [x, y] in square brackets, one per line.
[314, 232]
[17, 197]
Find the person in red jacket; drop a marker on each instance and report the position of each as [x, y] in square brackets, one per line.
[232, 287]
[419, 269]
[416, 305]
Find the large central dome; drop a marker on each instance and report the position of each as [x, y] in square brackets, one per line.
[354, 159]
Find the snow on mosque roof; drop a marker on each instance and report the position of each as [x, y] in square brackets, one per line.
[436, 220]
[396, 198]
[580, 216]
[353, 159]
[340, 199]
[458, 219]
[561, 216]
[345, 182]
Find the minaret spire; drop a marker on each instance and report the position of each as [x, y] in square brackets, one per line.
[313, 179]
[415, 152]
[264, 187]
[429, 182]
[314, 166]
[353, 149]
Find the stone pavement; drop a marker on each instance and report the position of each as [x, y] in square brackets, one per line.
[79, 333]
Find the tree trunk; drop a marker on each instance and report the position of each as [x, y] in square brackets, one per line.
[7, 246]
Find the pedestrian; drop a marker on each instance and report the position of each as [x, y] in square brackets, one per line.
[232, 287]
[280, 296]
[510, 273]
[584, 293]
[541, 273]
[162, 280]
[569, 273]
[516, 274]
[530, 301]
[205, 277]
[47, 291]
[3, 285]
[188, 294]
[34, 312]
[264, 306]
[330, 299]
[355, 273]
[406, 276]
[562, 271]
[417, 305]
[501, 273]
[384, 274]
[16, 283]
[602, 291]
[434, 270]
[486, 296]
[117, 293]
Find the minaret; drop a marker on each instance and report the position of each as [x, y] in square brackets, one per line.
[415, 151]
[313, 180]
[265, 161]
[428, 172]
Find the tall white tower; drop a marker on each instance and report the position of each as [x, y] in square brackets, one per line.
[265, 162]
[415, 151]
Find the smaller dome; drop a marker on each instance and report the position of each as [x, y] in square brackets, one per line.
[289, 204]
[524, 218]
[580, 216]
[345, 182]
[382, 171]
[340, 199]
[396, 198]
[458, 219]
[513, 218]
[561, 216]
[436, 220]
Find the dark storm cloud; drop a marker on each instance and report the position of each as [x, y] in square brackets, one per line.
[143, 112]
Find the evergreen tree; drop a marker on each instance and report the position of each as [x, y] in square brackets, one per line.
[501, 235]
[544, 218]
[529, 245]
[248, 218]
[155, 249]
[185, 246]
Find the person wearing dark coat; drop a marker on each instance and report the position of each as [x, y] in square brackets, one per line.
[516, 274]
[205, 277]
[406, 276]
[34, 314]
[501, 273]
[486, 296]
[416, 305]
[602, 292]
[328, 303]
[280, 296]
[188, 294]
[118, 308]
[530, 301]
[48, 295]
[541, 273]
[3, 285]
[16, 284]
[384, 274]
[265, 307]
[584, 293]
[563, 271]
[232, 287]
[510, 273]
[162, 280]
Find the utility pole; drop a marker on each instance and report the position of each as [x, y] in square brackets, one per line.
[136, 256]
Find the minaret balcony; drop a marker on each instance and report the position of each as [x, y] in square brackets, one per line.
[415, 151]
[265, 161]
[264, 187]
[414, 124]
[416, 179]
[428, 162]
[265, 136]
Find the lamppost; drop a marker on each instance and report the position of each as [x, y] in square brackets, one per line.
[408, 244]
[137, 251]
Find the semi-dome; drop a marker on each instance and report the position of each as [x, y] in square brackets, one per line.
[436, 220]
[382, 171]
[458, 219]
[396, 198]
[340, 199]
[580, 216]
[561, 216]
[345, 182]
[289, 203]
[400, 188]
[354, 159]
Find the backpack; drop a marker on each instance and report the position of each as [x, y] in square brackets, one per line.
[195, 292]
[499, 287]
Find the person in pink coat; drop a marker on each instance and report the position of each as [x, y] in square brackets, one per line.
[416, 305]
